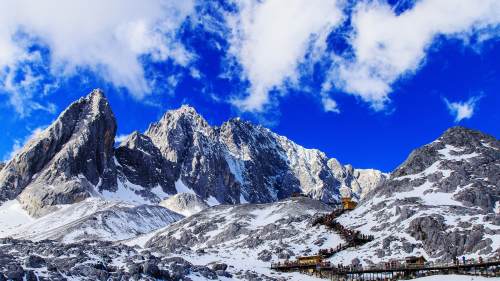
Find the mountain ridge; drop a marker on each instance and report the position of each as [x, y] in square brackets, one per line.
[237, 162]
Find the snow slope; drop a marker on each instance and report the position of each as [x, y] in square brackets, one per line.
[254, 233]
[440, 203]
[93, 219]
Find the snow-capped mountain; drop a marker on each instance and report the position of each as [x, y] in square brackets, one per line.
[175, 190]
[67, 162]
[441, 202]
[238, 162]
[241, 162]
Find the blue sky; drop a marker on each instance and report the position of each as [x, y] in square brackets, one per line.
[364, 81]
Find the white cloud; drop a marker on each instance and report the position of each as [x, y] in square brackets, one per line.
[106, 36]
[16, 147]
[270, 39]
[20, 92]
[388, 46]
[330, 105]
[462, 110]
[120, 138]
[20, 143]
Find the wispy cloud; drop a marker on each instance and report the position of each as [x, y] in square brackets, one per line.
[462, 110]
[120, 138]
[20, 143]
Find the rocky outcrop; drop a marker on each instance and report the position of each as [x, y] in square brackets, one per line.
[2, 165]
[462, 163]
[356, 183]
[235, 163]
[186, 204]
[142, 163]
[68, 161]
[441, 202]
[185, 139]
[249, 228]
[95, 261]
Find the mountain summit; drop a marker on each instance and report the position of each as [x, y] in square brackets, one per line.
[65, 162]
[441, 202]
[238, 162]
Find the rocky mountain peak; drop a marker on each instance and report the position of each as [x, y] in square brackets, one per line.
[65, 162]
[463, 137]
[453, 143]
[176, 129]
[443, 200]
[186, 115]
[135, 140]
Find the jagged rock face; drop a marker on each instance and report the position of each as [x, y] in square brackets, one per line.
[186, 139]
[66, 161]
[186, 204]
[442, 201]
[2, 165]
[258, 162]
[236, 162]
[356, 183]
[462, 162]
[142, 163]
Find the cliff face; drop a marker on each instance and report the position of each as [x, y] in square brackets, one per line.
[237, 162]
[64, 163]
[242, 162]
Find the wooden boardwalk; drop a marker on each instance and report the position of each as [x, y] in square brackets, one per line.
[326, 270]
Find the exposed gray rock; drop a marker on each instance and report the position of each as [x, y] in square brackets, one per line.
[265, 255]
[93, 260]
[67, 161]
[469, 159]
[142, 163]
[215, 266]
[34, 261]
[240, 161]
[186, 204]
[445, 196]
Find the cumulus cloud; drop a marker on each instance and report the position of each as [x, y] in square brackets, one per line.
[387, 46]
[270, 38]
[108, 37]
[462, 110]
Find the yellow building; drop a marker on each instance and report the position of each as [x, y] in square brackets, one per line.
[348, 203]
[309, 260]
